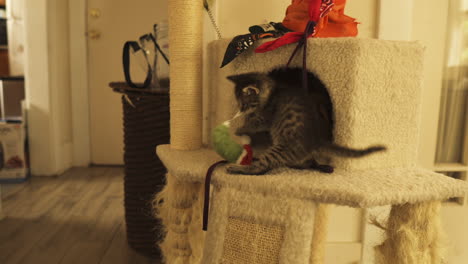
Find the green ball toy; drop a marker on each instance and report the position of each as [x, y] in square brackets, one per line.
[229, 149]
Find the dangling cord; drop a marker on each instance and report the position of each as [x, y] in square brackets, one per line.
[212, 19]
[209, 173]
[303, 43]
[298, 46]
[206, 202]
[309, 30]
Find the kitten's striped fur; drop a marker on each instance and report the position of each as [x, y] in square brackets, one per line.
[299, 123]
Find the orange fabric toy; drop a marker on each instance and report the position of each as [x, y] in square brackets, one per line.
[313, 18]
[334, 24]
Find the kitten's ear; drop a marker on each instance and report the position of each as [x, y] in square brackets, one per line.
[234, 78]
[244, 78]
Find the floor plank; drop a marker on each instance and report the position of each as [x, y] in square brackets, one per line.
[74, 218]
[117, 252]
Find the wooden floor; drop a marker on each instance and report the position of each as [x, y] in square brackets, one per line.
[74, 218]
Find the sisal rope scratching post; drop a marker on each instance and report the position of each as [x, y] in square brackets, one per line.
[319, 239]
[177, 212]
[182, 218]
[414, 235]
[185, 40]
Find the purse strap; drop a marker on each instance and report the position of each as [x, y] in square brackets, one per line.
[133, 45]
[158, 48]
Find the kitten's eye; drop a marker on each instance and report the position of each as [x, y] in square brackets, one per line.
[250, 89]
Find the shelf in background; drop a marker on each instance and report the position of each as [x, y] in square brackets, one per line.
[457, 171]
[448, 167]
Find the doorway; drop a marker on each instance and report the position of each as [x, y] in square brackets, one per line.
[109, 24]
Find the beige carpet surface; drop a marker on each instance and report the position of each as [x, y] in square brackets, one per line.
[355, 188]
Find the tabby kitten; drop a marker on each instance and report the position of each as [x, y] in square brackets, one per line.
[300, 123]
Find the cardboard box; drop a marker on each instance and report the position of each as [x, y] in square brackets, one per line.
[13, 157]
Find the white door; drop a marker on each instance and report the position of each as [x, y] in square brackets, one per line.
[110, 24]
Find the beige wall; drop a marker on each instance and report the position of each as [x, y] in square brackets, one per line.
[366, 13]
[235, 17]
[429, 27]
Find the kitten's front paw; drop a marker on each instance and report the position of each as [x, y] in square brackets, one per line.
[245, 169]
[235, 169]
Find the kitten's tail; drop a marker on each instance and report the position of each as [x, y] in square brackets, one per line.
[354, 153]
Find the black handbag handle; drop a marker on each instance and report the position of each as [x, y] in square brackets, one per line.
[126, 64]
[153, 36]
[156, 45]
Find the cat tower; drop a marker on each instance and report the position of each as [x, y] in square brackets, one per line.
[281, 217]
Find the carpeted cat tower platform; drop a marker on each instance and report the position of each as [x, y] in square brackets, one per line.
[281, 217]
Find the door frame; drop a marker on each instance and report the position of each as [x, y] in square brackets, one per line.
[49, 155]
[79, 83]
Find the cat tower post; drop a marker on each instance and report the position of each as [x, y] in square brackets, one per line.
[185, 31]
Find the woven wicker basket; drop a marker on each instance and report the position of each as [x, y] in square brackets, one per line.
[146, 125]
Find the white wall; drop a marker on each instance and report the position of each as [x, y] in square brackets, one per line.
[430, 27]
[366, 13]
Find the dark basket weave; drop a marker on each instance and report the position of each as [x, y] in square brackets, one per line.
[146, 125]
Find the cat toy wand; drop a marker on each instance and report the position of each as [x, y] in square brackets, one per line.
[212, 19]
[317, 10]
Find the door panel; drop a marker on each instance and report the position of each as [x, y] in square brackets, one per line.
[114, 21]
